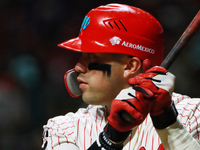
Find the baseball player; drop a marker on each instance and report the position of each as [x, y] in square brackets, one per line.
[132, 105]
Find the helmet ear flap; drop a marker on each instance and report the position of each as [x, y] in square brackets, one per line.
[71, 83]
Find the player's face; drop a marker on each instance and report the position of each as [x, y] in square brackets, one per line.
[101, 77]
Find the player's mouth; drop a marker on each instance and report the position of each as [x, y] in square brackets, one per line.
[82, 84]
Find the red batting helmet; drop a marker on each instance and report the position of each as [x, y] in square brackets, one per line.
[119, 28]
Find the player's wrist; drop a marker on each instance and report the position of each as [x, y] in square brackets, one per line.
[114, 135]
[109, 144]
[112, 139]
[167, 118]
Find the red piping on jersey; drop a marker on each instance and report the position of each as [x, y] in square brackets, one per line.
[142, 138]
[91, 134]
[78, 129]
[96, 120]
[130, 140]
[84, 134]
[146, 138]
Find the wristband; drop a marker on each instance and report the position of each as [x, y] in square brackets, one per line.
[107, 144]
[110, 139]
[167, 118]
[114, 135]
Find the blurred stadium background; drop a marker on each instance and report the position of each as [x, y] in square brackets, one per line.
[32, 66]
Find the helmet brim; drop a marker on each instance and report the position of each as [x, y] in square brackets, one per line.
[72, 44]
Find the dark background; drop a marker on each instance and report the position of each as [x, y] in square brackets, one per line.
[32, 66]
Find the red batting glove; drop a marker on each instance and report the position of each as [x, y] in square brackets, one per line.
[158, 82]
[134, 103]
[116, 131]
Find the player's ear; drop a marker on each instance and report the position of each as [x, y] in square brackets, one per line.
[132, 67]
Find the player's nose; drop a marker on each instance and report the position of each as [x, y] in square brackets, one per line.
[82, 64]
[80, 68]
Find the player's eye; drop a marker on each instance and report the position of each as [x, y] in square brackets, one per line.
[91, 55]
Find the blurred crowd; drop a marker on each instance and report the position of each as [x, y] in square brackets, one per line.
[32, 66]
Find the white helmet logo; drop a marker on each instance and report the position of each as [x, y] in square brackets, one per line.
[115, 40]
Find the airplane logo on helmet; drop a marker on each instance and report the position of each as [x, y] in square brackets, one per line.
[115, 40]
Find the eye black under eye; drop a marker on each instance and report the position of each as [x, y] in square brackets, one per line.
[106, 68]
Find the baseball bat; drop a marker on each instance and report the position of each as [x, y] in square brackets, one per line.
[175, 51]
[183, 40]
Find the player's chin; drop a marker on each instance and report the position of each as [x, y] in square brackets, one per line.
[91, 98]
[88, 98]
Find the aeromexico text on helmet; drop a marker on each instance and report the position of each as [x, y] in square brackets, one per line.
[117, 41]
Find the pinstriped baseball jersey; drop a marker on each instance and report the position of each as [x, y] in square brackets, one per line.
[83, 127]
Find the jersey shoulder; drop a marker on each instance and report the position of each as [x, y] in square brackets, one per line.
[68, 128]
[182, 101]
[189, 113]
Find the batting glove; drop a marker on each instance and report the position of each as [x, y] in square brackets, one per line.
[119, 126]
[132, 102]
[159, 84]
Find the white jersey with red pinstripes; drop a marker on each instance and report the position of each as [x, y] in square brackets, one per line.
[83, 127]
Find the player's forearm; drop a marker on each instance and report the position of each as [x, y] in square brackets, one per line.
[176, 137]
